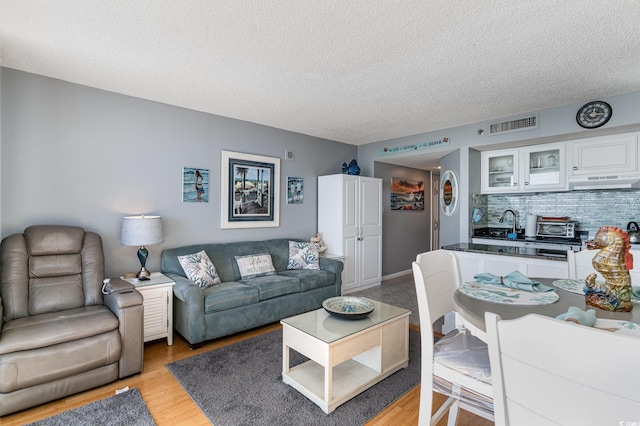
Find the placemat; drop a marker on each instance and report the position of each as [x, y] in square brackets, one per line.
[570, 285]
[506, 295]
[576, 286]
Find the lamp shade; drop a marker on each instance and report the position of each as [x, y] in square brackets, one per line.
[141, 230]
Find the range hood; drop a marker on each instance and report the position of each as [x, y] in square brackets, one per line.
[621, 181]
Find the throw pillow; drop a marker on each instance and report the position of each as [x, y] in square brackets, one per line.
[199, 269]
[303, 255]
[255, 265]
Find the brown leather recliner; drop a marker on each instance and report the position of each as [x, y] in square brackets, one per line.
[59, 334]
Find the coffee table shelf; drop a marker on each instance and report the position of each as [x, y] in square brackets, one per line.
[346, 357]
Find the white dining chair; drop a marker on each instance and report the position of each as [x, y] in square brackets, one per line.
[546, 371]
[580, 265]
[457, 365]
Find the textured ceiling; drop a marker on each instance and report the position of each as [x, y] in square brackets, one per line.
[355, 71]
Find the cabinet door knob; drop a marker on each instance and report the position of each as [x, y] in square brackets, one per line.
[515, 184]
[575, 167]
[526, 183]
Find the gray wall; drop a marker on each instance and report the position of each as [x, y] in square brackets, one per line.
[555, 124]
[1, 133]
[77, 155]
[450, 225]
[405, 233]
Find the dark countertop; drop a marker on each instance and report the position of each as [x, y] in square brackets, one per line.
[534, 253]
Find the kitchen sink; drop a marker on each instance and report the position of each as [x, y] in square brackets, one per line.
[497, 233]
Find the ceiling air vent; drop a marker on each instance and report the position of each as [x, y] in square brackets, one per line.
[525, 123]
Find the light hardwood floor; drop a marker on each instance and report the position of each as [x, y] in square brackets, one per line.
[169, 404]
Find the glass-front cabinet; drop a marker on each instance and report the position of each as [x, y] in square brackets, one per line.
[545, 167]
[500, 171]
[527, 169]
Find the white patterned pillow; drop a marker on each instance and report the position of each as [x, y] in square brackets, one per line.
[199, 269]
[255, 265]
[303, 255]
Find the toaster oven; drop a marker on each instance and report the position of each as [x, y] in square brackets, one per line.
[557, 229]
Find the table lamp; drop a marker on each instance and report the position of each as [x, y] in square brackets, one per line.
[141, 231]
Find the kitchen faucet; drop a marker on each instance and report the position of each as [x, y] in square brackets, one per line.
[515, 218]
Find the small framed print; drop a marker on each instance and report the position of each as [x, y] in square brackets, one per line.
[195, 185]
[295, 190]
[250, 190]
[407, 194]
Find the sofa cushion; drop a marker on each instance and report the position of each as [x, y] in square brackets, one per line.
[229, 295]
[274, 285]
[310, 278]
[199, 269]
[279, 250]
[38, 331]
[255, 265]
[303, 255]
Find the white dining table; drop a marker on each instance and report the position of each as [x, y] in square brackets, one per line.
[471, 310]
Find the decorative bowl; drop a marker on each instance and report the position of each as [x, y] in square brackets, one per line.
[348, 307]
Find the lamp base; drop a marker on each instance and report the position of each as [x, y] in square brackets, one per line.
[143, 274]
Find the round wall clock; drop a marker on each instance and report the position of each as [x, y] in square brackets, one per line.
[448, 192]
[594, 114]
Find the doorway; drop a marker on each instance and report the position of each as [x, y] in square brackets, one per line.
[435, 211]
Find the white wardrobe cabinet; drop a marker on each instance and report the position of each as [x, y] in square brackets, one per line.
[350, 220]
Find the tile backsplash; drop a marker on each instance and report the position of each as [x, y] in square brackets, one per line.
[592, 209]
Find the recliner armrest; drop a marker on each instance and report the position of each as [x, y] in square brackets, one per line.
[126, 304]
[121, 294]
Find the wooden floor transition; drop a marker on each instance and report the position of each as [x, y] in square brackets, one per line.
[169, 404]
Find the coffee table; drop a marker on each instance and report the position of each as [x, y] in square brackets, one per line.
[346, 357]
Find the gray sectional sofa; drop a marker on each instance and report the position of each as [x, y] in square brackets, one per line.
[236, 305]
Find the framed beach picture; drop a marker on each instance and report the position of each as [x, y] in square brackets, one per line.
[195, 185]
[295, 190]
[407, 194]
[250, 190]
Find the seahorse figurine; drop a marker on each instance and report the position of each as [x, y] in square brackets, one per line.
[613, 261]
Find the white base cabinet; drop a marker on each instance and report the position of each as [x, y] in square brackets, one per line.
[350, 220]
[476, 263]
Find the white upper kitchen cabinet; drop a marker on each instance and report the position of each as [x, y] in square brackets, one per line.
[544, 167]
[350, 220]
[499, 171]
[600, 156]
[528, 169]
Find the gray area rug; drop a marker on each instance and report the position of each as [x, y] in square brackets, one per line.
[241, 384]
[399, 291]
[125, 409]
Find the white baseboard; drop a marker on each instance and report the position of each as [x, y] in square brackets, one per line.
[397, 274]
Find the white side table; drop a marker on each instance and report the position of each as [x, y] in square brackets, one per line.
[158, 306]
